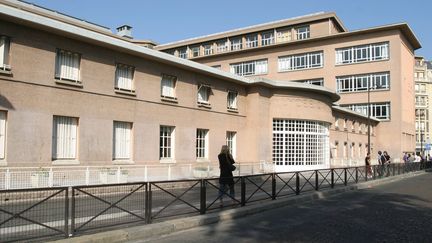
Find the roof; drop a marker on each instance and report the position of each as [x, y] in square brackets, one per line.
[354, 113]
[27, 16]
[254, 28]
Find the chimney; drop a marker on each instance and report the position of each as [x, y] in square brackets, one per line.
[125, 31]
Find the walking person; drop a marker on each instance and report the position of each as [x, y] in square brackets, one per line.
[387, 162]
[368, 166]
[381, 163]
[226, 165]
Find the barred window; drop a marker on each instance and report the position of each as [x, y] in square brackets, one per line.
[202, 144]
[166, 143]
[303, 32]
[232, 100]
[300, 143]
[68, 66]
[362, 53]
[378, 110]
[249, 68]
[232, 143]
[360, 82]
[64, 137]
[122, 140]
[124, 77]
[301, 61]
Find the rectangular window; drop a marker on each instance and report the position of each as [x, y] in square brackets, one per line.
[2, 134]
[204, 91]
[283, 35]
[301, 61]
[182, 53]
[380, 111]
[267, 39]
[360, 82]
[303, 32]
[317, 81]
[236, 44]
[208, 49]
[232, 100]
[68, 66]
[362, 53]
[4, 53]
[221, 46]
[195, 51]
[232, 143]
[124, 77]
[64, 137]
[249, 68]
[122, 140]
[166, 143]
[251, 41]
[202, 144]
[168, 84]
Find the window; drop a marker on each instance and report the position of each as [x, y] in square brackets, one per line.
[202, 144]
[221, 46]
[166, 143]
[317, 81]
[4, 53]
[124, 77]
[208, 50]
[68, 66]
[251, 41]
[203, 94]
[303, 32]
[168, 84]
[195, 51]
[378, 110]
[232, 143]
[360, 82]
[267, 39]
[301, 61]
[336, 124]
[2, 134]
[249, 68]
[300, 143]
[283, 35]
[64, 137]
[362, 53]
[183, 53]
[236, 44]
[232, 100]
[122, 140]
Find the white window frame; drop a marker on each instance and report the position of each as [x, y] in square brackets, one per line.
[65, 140]
[195, 51]
[232, 100]
[122, 140]
[301, 61]
[183, 53]
[67, 66]
[363, 53]
[303, 32]
[4, 53]
[251, 41]
[124, 78]
[236, 43]
[203, 94]
[381, 111]
[208, 49]
[221, 46]
[167, 144]
[168, 86]
[360, 82]
[249, 68]
[3, 123]
[202, 144]
[231, 142]
[283, 35]
[315, 81]
[267, 38]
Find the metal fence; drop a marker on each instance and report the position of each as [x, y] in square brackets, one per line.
[68, 211]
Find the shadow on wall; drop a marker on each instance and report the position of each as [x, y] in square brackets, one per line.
[4, 102]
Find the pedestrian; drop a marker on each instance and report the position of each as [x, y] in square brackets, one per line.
[387, 162]
[368, 166]
[405, 157]
[417, 158]
[226, 165]
[381, 163]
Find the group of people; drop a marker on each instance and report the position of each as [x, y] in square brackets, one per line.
[383, 159]
[407, 158]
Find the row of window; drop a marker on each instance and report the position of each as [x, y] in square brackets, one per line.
[363, 82]
[311, 60]
[361, 151]
[237, 43]
[342, 124]
[65, 140]
[378, 110]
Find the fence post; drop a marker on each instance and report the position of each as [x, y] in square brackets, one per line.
[50, 177]
[367, 172]
[149, 203]
[7, 179]
[66, 224]
[393, 165]
[345, 177]
[332, 178]
[243, 191]
[374, 172]
[297, 183]
[356, 178]
[316, 181]
[72, 232]
[273, 186]
[87, 176]
[203, 197]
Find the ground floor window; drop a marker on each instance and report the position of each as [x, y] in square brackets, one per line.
[64, 137]
[301, 143]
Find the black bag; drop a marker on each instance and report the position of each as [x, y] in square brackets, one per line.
[231, 166]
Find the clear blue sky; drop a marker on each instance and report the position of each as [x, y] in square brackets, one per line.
[170, 20]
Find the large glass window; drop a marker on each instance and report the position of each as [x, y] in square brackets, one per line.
[2, 134]
[4, 53]
[64, 137]
[299, 142]
[202, 144]
[122, 140]
[166, 143]
[362, 53]
[360, 82]
[301, 61]
[124, 77]
[168, 84]
[378, 110]
[249, 68]
[68, 66]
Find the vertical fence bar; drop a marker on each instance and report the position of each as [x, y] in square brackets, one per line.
[374, 172]
[393, 167]
[66, 223]
[316, 181]
[243, 191]
[332, 178]
[367, 172]
[345, 176]
[50, 177]
[356, 175]
[203, 197]
[273, 186]
[146, 203]
[149, 203]
[72, 232]
[297, 183]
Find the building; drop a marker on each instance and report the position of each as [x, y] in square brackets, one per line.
[72, 93]
[423, 91]
[318, 49]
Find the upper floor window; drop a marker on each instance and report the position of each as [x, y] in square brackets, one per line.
[317, 81]
[68, 66]
[378, 110]
[362, 53]
[2, 134]
[267, 38]
[221, 46]
[168, 84]
[251, 41]
[166, 143]
[208, 49]
[182, 53]
[420, 88]
[283, 35]
[195, 51]
[301, 61]
[421, 100]
[353, 83]
[232, 100]
[303, 32]
[124, 77]
[249, 68]
[64, 145]
[236, 44]
[202, 144]
[4, 53]
[204, 91]
[122, 140]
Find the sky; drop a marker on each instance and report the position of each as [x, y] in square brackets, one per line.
[165, 21]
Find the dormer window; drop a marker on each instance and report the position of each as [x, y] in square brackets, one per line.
[267, 38]
[303, 32]
[251, 41]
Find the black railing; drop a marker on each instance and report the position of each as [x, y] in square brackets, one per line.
[46, 212]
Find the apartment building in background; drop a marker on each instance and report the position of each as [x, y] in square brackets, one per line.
[368, 66]
[423, 91]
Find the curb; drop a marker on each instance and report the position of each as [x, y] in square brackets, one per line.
[151, 231]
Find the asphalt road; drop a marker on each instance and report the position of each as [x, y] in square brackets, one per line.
[397, 212]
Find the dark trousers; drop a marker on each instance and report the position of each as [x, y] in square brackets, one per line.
[223, 189]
